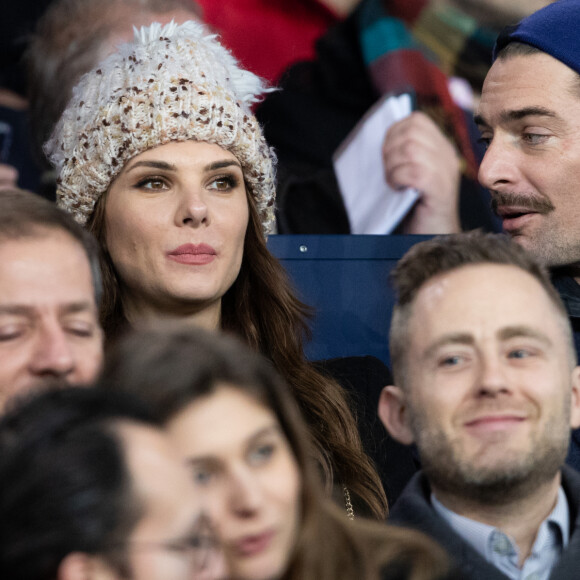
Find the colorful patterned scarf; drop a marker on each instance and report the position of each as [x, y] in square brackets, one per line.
[411, 45]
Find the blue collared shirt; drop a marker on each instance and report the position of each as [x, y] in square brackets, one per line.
[501, 550]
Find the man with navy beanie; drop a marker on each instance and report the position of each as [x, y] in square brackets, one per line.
[529, 117]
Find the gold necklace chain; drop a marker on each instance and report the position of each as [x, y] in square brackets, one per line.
[348, 503]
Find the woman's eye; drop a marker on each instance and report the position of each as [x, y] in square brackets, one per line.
[152, 184]
[223, 183]
[202, 476]
[261, 454]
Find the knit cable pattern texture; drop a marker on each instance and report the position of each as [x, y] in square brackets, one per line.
[171, 83]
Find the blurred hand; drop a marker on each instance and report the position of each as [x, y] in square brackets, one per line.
[417, 154]
[8, 176]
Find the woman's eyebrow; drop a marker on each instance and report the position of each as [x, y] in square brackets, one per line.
[211, 460]
[222, 164]
[269, 429]
[164, 166]
[154, 164]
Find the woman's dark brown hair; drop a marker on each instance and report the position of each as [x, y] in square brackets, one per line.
[172, 367]
[262, 309]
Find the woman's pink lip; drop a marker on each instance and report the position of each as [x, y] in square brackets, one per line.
[253, 545]
[193, 249]
[193, 254]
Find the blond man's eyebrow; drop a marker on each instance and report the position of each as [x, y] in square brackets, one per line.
[523, 331]
[448, 339]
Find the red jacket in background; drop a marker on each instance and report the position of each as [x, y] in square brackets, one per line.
[268, 35]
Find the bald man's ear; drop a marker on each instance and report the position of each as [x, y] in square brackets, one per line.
[81, 566]
[394, 414]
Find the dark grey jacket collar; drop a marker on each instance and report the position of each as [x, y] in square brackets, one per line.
[413, 509]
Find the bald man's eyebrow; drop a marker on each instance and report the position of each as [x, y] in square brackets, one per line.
[32, 310]
[76, 307]
[16, 310]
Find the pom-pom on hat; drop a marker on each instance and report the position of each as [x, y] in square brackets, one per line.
[172, 83]
[554, 29]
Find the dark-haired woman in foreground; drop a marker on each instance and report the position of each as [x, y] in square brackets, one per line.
[238, 428]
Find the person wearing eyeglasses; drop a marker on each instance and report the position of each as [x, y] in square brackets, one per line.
[91, 489]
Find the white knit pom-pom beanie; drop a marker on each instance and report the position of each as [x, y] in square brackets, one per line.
[171, 83]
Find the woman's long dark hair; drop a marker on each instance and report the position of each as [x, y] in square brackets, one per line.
[262, 309]
[172, 367]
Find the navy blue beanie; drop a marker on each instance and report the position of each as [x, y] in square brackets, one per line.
[554, 29]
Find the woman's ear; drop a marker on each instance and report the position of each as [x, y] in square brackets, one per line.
[393, 412]
[82, 566]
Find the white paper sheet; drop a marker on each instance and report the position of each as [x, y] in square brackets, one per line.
[372, 206]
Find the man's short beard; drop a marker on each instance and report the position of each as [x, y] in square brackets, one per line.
[514, 479]
[550, 246]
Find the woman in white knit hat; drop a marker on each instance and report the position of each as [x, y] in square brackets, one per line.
[159, 154]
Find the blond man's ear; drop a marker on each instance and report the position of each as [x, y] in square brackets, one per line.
[394, 414]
